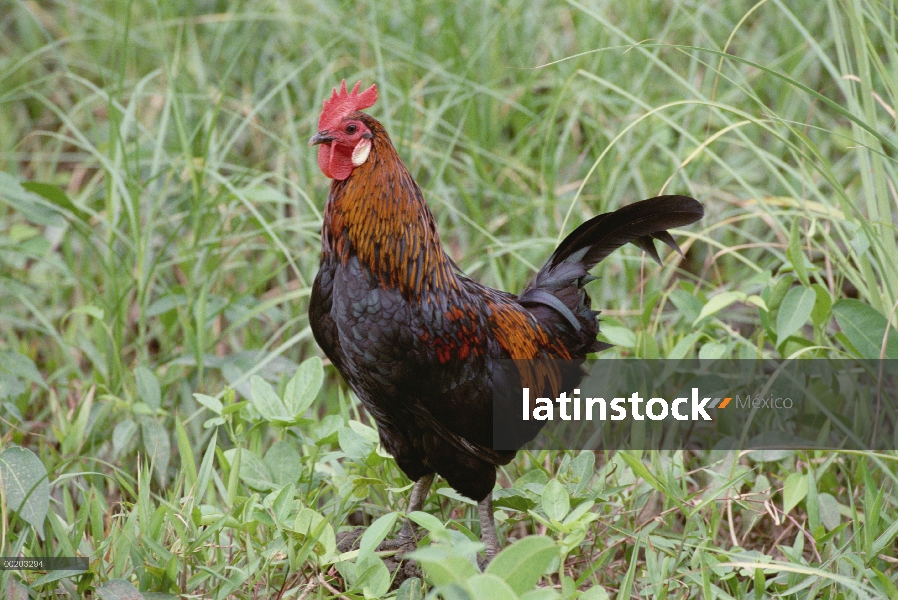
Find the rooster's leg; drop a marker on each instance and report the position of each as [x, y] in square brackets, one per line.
[407, 535]
[488, 528]
[419, 493]
[416, 502]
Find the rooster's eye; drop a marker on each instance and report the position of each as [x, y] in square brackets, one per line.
[350, 129]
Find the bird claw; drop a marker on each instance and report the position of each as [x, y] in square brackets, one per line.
[483, 560]
[404, 542]
[400, 567]
[400, 543]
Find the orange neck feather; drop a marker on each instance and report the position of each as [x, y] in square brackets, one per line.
[379, 215]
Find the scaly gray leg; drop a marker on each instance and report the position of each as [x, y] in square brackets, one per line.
[419, 493]
[488, 528]
[407, 535]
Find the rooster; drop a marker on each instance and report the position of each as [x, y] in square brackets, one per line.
[414, 337]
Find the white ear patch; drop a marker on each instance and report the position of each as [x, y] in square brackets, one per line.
[360, 152]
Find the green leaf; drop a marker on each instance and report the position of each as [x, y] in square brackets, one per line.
[205, 472]
[266, 401]
[21, 232]
[25, 487]
[21, 366]
[886, 583]
[124, 436]
[15, 371]
[11, 386]
[57, 196]
[865, 328]
[757, 301]
[795, 254]
[376, 532]
[687, 305]
[411, 589]
[523, 563]
[253, 470]
[303, 387]
[185, 452]
[712, 351]
[32, 206]
[829, 511]
[490, 587]
[769, 454]
[314, 526]
[861, 242]
[812, 504]
[442, 566]
[619, 336]
[366, 432]
[582, 509]
[595, 593]
[90, 310]
[157, 445]
[426, 520]
[794, 311]
[536, 476]
[555, 500]
[148, 387]
[582, 469]
[794, 491]
[544, 593]
[281, 503]
[513, 499]
[354, 443]
[885, 539]
[373, 576]
[718, 303]
[823, 304]
[213, 404]
[640, 470]
[265, 193]
[284, 463]
[118, 589]
[684, 346]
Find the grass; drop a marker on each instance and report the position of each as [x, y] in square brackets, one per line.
[159, 236]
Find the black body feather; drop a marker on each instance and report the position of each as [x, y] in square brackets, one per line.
[419, 347]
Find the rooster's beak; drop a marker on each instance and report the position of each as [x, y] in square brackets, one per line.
[321, 137]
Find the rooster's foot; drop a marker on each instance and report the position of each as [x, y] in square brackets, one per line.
[402, 543]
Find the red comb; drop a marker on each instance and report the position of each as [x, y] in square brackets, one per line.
[341, 104]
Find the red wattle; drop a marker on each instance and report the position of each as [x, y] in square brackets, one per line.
[324, 159]
[335, 161]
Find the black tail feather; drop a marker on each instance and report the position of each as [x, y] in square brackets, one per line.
[639, 223]
[557, 286]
